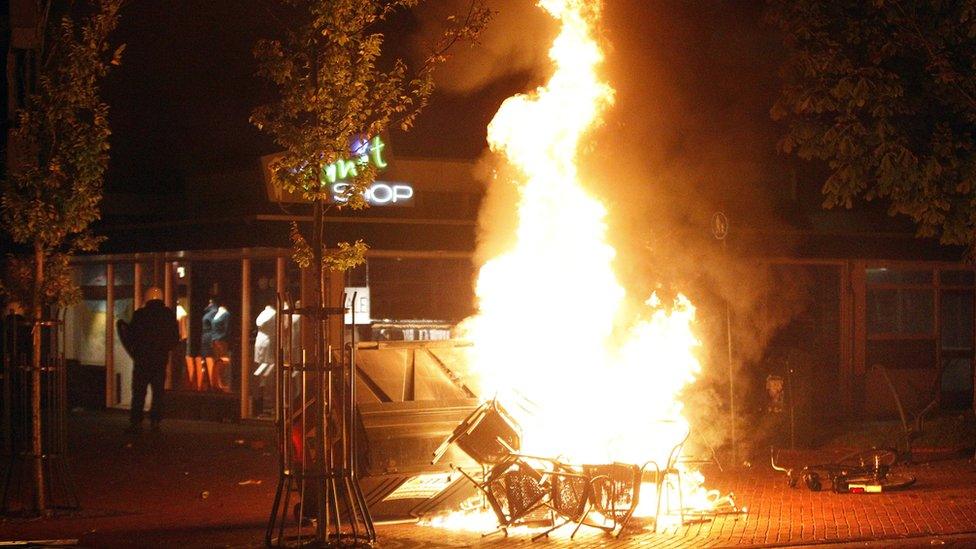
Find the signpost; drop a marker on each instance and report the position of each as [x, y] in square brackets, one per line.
[720, 230]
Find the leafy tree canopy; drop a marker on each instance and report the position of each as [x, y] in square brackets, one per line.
[884, 92]
[59, 152]
[335, 89]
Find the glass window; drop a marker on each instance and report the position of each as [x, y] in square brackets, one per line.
[900, 311]
[262, 338]
[957, 383]
[883, 275]
[124, 275]
[427, 289]
[184, 373]
[85, 321]
[214, 312]
[902, 354]
[957, 320]
[957, 278]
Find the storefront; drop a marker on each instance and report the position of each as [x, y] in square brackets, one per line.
[397, 297]
[867, 336]
[913, 316]
[228, 245]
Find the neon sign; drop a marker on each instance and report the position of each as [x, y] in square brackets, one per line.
[370, 152]
[380, 193]
[337, 177]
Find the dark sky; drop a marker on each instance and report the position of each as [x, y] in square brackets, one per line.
[694, 81]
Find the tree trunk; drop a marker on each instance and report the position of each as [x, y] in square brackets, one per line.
[37, 443]
[321, 360]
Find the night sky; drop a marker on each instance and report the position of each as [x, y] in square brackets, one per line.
[694, 82]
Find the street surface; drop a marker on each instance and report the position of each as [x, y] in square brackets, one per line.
[203, 484]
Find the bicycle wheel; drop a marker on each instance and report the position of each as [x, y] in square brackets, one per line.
[888, 483]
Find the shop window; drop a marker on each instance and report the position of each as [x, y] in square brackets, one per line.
[957, 278]
[900, 316]
[429, 289]
[262, 337]
[957, 320]
[900, 311]
[882, 275]
[123, 277]
[956, 336]
[957, 383]
[85, 321]
[902, 354]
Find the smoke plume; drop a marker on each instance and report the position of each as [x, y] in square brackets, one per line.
[688, 136]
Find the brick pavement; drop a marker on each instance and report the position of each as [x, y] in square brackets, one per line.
[942, 502]
[148, 492]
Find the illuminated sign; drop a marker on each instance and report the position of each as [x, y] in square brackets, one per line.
[364, 152]
[380, 193]
[337, 177]
[360, 306]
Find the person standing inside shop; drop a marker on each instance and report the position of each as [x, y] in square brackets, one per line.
[152, 334]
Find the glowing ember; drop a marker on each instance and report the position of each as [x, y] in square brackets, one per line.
[580, 387]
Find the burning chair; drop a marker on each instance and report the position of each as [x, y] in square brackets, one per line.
[511, 485]
[523, 489]
[514, 489]
[669, 478]
[572, 496]
[616, 490]
[489, 435]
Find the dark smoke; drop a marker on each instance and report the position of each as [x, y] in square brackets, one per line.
[689, 135]
[515, 43]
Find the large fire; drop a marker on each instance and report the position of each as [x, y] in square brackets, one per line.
[548, 337]
[576, 389]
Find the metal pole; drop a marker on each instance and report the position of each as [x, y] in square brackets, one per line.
[245, 335]
[728, 338]
[319, 407]
[110, 385]
[9, 345]
[169, 299]
[789, 372]
[352, 386]
[136, 285]
[720, 230]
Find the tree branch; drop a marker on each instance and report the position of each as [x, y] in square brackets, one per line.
[933, 57]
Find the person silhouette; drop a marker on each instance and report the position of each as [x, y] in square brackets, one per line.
[151, 335]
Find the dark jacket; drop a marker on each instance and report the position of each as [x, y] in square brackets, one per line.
[206, 334]
[153, 332]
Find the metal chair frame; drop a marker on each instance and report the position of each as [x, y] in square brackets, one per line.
[501, 493]
[607, 491]
[579, 508]
[662, 477]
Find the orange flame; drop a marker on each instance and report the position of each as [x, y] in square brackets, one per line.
[576, 391]
[544, 337]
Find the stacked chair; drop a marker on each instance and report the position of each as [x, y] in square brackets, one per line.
[546, 492]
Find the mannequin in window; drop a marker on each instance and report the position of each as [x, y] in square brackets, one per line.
[206, 342]
[264, 351]
[183, 320]
[219, 361]
[296, 334]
